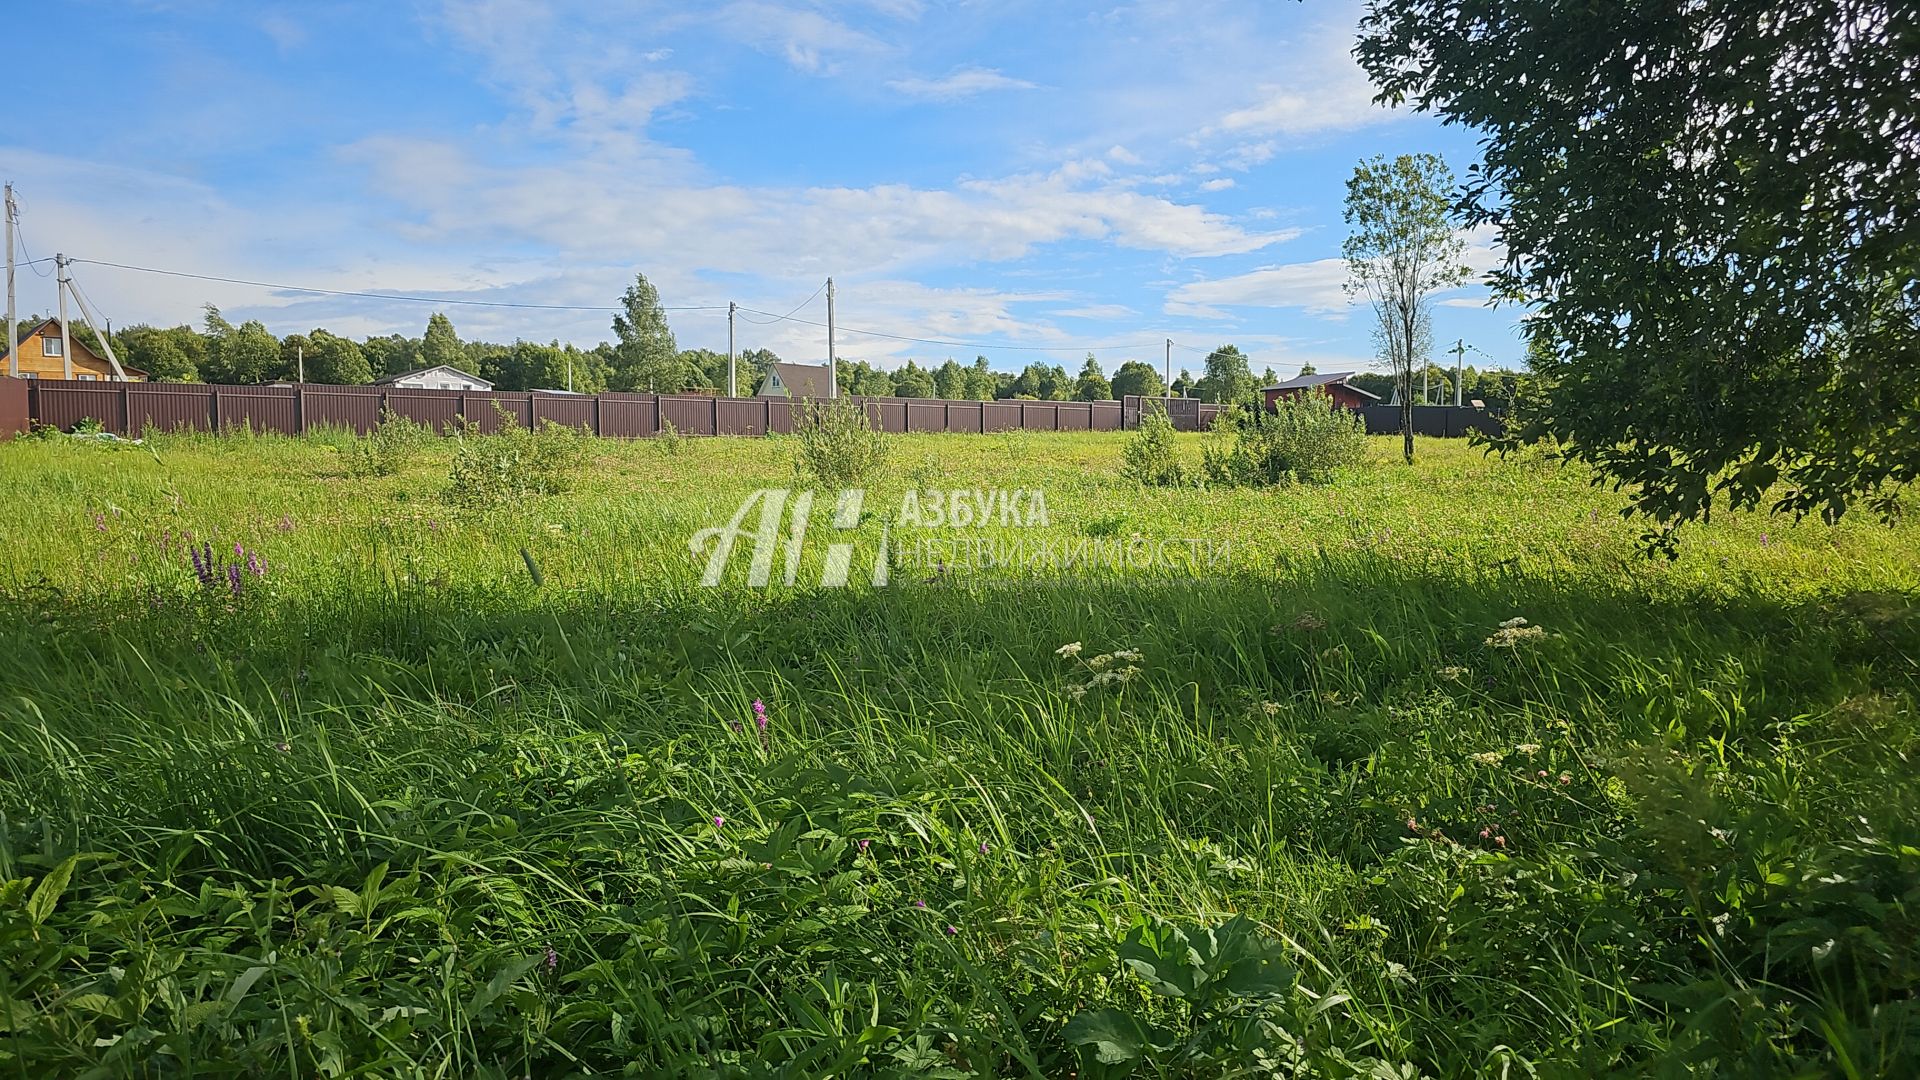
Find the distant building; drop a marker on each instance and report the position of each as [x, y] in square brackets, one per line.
[443, 377]
[1335, 384]
[40, 357]
[795, 381]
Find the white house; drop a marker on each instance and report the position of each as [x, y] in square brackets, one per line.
[443, 377]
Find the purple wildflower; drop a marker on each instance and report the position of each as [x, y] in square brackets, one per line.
[760, 715]
[553, 958]
[1763, 539]
[983, 847]
[238, 549]
[199, 568]
[864, 843]
[718, 821]
[921, 904]
[233, 578]
[256, 565]
[952, 929]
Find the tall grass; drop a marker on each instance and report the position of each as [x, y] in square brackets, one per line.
[397, 806]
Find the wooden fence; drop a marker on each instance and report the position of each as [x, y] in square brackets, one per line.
[133, 409]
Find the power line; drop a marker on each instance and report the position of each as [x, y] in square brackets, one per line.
[379, 296]
[954, 344]
[790, 314]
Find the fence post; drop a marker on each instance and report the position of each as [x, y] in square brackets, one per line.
[126, 411]
[299, 408]
[596, 414]
[766, 416]
[213, 407]
[716, 414]
[533, 411]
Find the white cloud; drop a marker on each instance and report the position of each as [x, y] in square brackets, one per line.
[1124, 156]
[1221, 184]
[1103, 312]
[1315, 287]
[810, 40]
[960, 83]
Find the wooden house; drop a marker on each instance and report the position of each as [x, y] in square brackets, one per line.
[41, 357]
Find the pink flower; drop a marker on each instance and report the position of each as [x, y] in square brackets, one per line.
[952, 930]
[1501, 840]
[1542, 774]
[718, 821]
[864, 843]
[1484, 833]
[1565, 779]
[1412, 825]
[921, 904]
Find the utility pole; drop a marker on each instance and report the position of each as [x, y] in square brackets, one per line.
[13, 327]
[300, 362]
[833, 367]
[66, 342]
[1459, 358]
[1169, 369]
[732, 387]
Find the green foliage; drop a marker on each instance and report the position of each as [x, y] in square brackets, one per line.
[336, 360]
[1092, 385]
[1303, 438]
[513, 463]
[1150, 456]
[913, 381]
[388, 448]
[835, 444]
[163, 354]
[1138, 378]
[1727, 271]
[1400, 250]
[950, 382]
[243, 355]
[440, 345]
[646, 358]
[1228, 378]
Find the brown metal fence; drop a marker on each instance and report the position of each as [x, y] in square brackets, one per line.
[1443, 421]
[14, 417]
[133, 409]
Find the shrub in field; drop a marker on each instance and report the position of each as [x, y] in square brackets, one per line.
[835, 444]
[671, 439]
[388, 448]
[1303, 439]
[514, 463]
[1149, 457]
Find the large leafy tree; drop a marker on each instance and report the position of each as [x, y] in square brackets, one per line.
[1092, 385]
[441, 345]
[242, 354]
[983, 384]
[1137, 377]
[646, 358]
[159, 353]
[1227, 377]
[1712, 208]
[913, 381]
[1401, 249]
[950, 381]
[334, 359]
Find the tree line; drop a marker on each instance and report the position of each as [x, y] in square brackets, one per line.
[644, 357]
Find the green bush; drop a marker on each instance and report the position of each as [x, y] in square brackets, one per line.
[1304, 438]
[835, 444]
[388, 448]
[1150, 457]
[514, 463]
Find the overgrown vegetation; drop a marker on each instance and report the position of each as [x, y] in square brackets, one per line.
[1302, 438]
[514, 462]
[388, 448]
[835, 444]
[301, 775]
[1150, 457]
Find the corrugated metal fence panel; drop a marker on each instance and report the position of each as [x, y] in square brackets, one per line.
[1104, 415]
[258, 408]
[491, 412]
[691, 415]
[629, 416]
[15, 412]
[780, 410]
[564, 409]
[434, 408]
[354, 407]
[1076, 417]
[1437, 421]
[966, 416]
[926, 416]
[169, 407]
[743, 416]
[65, 402]
[1000, 415]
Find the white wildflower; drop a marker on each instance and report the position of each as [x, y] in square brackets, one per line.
[1070, 649]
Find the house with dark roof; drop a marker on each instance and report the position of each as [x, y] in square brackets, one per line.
[439, 377]
[1335, 384]
[44, 355]
[797, 381]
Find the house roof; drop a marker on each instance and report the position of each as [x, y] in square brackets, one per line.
[1303, 382]
[23, 333]
[802, 380]
[389, 380]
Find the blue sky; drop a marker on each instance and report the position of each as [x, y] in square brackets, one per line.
[1027, 172]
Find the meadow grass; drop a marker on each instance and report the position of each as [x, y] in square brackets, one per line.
[454, 792]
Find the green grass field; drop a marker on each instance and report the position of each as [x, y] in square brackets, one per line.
[448, 793]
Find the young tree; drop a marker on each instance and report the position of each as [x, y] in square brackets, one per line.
[982, 384]
[1268, 378]
[646, 358]
[1713, 207]
[1401, 250]
[158, 353]
[950, 381]
[1228, 376]
[441, 345]
[1183, 385]
[1137, 378]
[333, 359]
[1092, 385]
[912, 381]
